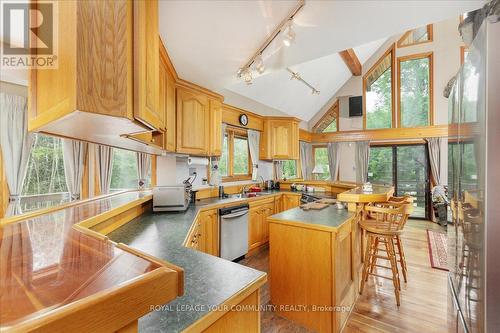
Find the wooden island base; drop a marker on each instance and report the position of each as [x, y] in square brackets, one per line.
[313, 275]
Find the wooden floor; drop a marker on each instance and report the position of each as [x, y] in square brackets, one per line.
[423, 299]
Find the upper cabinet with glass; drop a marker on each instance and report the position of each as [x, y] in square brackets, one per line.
[378, 93]
[416, 36]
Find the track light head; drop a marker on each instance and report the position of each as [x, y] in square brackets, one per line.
[289, 35]
[259, 64]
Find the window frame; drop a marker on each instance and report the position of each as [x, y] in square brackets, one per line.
[392, 51]
[333, 110]
[314, 147]
[430, 56]
[463, 50]
[231, 133]
[430, 34]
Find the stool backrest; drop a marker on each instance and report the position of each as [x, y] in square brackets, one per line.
[390, 216]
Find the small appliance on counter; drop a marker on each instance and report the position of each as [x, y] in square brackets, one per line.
[171, 198]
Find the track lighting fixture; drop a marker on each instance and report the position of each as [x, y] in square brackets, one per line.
[259, 64]
[289, 35]
[296, 76]
[286, 30]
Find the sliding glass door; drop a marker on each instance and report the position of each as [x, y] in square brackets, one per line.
[406, 168]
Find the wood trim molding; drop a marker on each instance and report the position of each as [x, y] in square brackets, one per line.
[351, 61]
[392, 51]
[164, 55]
[304, 135]
[463, 50]
[430, 34]
[382, 134]
[231, 114]
[186, 84]
[429, 55]
[333, 112]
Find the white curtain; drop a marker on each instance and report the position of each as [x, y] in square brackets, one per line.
[74, 155]
[334, 159]
[143, 167]
[278, 170]
[434, 147]
[104, 163]
[306, 160]
[253, 147]
[362, 158]
[16, 145]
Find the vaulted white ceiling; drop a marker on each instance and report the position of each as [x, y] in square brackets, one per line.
[209, 40]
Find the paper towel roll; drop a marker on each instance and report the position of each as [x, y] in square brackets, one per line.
[197, 161]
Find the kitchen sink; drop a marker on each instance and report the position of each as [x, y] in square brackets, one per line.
[246, 195]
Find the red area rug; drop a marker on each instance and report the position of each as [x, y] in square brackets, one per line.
[438, 249]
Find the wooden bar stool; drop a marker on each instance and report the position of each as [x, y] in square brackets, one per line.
[382, 225]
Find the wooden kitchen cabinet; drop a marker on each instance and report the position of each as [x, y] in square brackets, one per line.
[146, 65]
[193, 115]
[290, 201]
[258, 230]
[204, 233]
[215, 128]
[106, 82]
[167, 100]
[280, 139]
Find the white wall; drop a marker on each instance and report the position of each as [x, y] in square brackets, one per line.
[446, 56]
[173, 170]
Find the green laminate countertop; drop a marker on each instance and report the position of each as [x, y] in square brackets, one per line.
[208, 281]
[330, 216]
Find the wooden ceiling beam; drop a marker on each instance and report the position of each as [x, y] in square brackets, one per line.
[351, 61]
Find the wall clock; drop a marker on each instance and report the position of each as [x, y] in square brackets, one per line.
[243, 119]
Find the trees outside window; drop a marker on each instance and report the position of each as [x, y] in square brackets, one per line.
[235, 162]
[415, 90]
[289, 169]
[321, 159]
[378, 93]
[124, 172]
[45, 173]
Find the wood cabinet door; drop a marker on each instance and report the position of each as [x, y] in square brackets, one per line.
[290, 201]
[215, 148]
[146, 64]
[267, 210]
[192, 122]
[210, 234]
[281, 138]
[170, 122]
[255, 227]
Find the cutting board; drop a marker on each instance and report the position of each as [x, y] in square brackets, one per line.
[314, 206]
[328, 201]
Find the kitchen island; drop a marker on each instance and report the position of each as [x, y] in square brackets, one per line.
[312, 264]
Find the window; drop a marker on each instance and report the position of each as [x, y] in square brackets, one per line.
[406, 168]
[235, 162]
[45, 182]
[321, 163]
[289, 169]
[416, 36]
[124, 172]
[415, 90]
[45, 172]
[329, 121]
[378, 93]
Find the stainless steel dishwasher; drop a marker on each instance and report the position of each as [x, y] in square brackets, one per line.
[233, 232]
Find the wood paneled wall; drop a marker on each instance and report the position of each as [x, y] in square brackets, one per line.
[377, 135]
